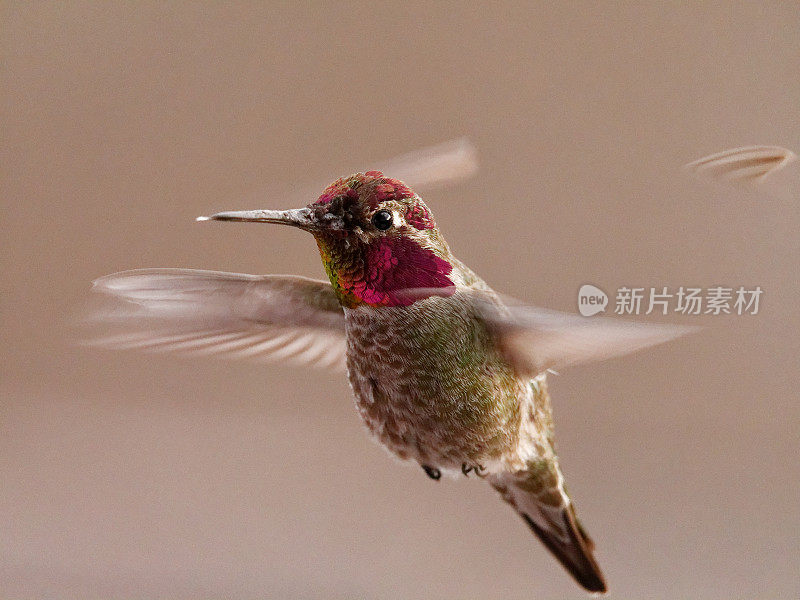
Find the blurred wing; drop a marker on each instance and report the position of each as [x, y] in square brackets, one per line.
[747, 163]
[535, 340]
[428, 167]
[434, 165]
[272, 317]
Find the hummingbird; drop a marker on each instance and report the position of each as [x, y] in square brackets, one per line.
[445, 372]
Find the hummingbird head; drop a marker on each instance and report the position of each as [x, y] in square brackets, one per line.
[377, 239]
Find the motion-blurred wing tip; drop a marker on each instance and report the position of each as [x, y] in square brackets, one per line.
[101, 284]
[746, 163]
[109, 283]
[450, 161]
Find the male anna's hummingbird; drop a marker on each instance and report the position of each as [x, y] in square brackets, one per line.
[444, 372]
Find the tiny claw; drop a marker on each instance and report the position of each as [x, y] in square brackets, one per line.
[432, 472]
[479, 470]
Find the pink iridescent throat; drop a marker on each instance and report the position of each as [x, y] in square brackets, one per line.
[399, 271]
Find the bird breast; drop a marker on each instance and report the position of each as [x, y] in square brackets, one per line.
[430, 383]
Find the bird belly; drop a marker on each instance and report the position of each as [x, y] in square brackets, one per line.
[430, 385]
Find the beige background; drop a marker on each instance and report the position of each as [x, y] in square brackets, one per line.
[133, 476]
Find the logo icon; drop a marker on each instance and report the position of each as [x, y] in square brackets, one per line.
[591, 300]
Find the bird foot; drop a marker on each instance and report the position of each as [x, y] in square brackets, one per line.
[432, 472]
[479, 470]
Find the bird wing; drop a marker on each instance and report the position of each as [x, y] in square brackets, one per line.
[746, 163]
[535, 340]
[272, 317]
[434, 165]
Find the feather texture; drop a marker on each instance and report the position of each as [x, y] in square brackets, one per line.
[538, 495]
[276, 317]
[536, 340]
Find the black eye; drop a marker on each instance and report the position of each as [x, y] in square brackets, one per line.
[382, 220]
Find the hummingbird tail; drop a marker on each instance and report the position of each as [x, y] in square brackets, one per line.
[550, 515]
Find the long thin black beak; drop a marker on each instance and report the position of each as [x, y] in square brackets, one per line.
[296, 217]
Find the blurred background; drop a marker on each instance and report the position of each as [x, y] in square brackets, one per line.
[125, 475]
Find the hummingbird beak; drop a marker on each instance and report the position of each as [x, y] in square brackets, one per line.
[296, 217]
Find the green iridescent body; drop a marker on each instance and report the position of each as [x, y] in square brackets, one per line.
[431, 385]
[430, 377]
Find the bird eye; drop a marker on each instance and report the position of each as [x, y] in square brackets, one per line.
[382, 220]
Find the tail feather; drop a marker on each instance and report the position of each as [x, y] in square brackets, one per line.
[550, 515]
